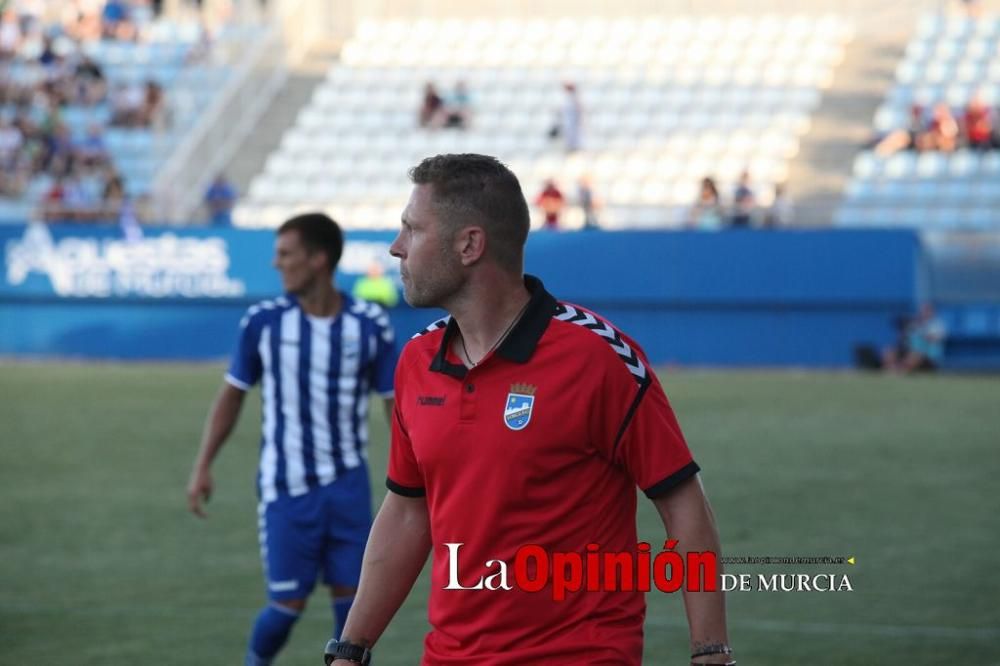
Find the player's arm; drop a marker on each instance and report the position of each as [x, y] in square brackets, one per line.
[688, 518]
[397, 549]
[221, 418]
[390, 406]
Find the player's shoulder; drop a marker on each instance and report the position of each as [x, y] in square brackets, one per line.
[426, 342]
[366, 310]
[266, 310]
[596, 338]
[432, 331]
[430, 336]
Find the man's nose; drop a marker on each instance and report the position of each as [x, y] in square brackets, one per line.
[396, 248]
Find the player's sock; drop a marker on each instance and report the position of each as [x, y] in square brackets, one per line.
[270, 632]
[341, 607]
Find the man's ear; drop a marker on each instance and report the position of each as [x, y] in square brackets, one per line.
[471, 244]
[317, 260]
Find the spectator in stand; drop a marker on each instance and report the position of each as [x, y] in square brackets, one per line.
[220, 199]
[82, 195]
[113, 197]
[59, 149]
[589, 202]
[91, 84]
[127, 105]
[973, 8]
[569, 124]
[201, 49]
[82, 21]
[552, 202]
[942, 133]
[115, 22]
[56, 93]
[154, 108]
[977, 124]
[10, 34]
[432, 108]
[11, 141]
[780, 212]
[706, 213]
[48, 56]
[30, 156]
[743, 202]
[458, 111]
[901, 139]
[92, 151]
[128, 221]
[52, 205]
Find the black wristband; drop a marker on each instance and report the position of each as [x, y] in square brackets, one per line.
[713, 649]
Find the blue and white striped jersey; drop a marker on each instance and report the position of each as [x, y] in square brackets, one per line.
[315, 377]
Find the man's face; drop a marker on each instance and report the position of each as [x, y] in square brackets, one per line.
[428, 264]
[299, 268]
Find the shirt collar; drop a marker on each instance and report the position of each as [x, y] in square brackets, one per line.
[520, 344]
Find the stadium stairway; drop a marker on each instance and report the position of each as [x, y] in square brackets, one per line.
[302, 80]
[842, 123]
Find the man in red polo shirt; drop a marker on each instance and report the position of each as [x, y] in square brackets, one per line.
[519, 420]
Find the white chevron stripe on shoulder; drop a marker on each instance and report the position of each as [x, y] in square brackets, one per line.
[574, 315]
[440, 323]
[266, 304]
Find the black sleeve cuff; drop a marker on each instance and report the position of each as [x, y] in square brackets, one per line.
[405, 491]
[672, 481]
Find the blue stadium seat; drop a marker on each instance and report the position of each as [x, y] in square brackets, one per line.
[956, 192]
[982, 219]
[925, 191]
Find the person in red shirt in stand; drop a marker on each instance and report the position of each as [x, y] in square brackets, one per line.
[520, 420]
[552, 202]
[978, 123]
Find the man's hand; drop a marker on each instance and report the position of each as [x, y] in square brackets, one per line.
[221, 419]
[199, 489]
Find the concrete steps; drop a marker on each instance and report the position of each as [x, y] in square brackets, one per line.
[303, 77]
[843, 122]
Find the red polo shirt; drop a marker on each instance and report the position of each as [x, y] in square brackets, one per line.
[541, 443]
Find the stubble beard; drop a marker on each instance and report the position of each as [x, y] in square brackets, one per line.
[439, 284]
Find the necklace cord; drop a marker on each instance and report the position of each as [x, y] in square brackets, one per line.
[503, 336]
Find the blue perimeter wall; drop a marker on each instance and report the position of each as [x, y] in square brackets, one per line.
[735, 298]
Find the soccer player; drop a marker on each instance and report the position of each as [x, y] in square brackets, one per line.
[317, 353]
[519, 420]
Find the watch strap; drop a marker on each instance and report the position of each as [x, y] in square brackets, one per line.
[359, 654]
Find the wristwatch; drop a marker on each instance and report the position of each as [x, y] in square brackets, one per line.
[346, 650]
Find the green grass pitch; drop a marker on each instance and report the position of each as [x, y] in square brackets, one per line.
[101, 564]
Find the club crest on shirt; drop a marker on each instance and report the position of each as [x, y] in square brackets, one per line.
[520, 402]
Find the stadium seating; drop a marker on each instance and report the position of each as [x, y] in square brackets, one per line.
[666, 102]
[188, 89]
[948, 60]
[168, 53]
